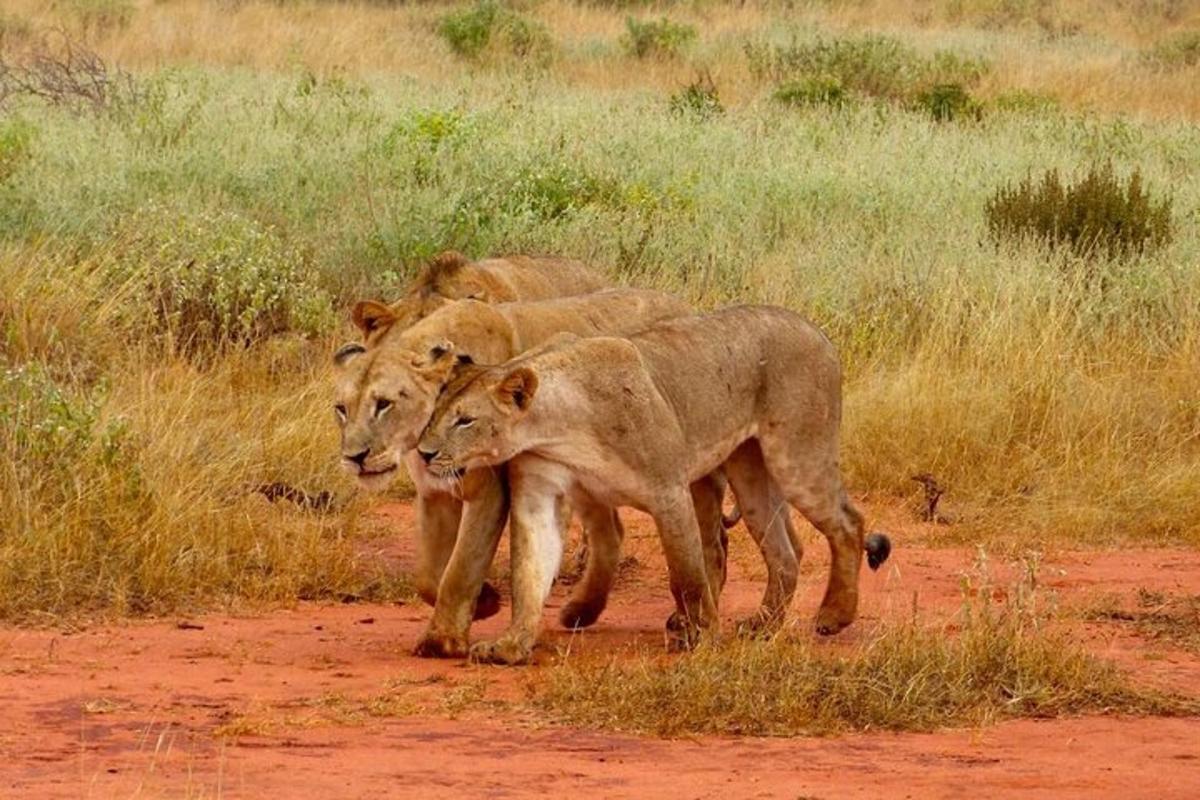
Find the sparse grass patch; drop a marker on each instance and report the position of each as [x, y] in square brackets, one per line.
[994, 663]
[1156, 615]
[1179, 51]
[1097, 215]
[656, 38]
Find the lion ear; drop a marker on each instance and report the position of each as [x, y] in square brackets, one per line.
[371, 316]
[518, 388]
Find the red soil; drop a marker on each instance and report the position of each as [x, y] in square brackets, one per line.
[273, 705]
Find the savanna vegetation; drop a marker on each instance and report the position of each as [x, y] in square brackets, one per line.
[990, 205]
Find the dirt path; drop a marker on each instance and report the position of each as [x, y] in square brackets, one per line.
[327, 702]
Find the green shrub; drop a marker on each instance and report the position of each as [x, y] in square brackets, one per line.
[878, 66]
[946, 102]
[1175, 52]
[698, 99]
[659, 38]
[215, 279]
[15, 138]
[472, 31]
[1097, 215]
[814, 91]
[51, 433]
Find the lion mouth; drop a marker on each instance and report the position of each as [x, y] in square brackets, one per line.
[371, 473]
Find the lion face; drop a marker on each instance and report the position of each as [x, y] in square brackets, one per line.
[383, 400]
[475, 427]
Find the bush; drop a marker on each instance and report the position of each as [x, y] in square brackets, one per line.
[49, 432]
[818, 91]
[946, 102]
[470, 32]
[550, 191]
[877, 66]
[660, 38]
[1098, 215]
[215, 279]
[1175, 52]
[698, 99]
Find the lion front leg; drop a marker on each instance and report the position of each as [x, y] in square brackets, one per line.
[462, 591]
[536, 532]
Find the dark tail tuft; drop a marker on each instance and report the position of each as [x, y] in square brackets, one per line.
[732, 518]
[878, 547]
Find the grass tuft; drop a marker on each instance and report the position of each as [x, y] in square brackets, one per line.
[994, 663]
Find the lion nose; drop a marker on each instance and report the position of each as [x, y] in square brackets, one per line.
[427, 456]
[360, 457]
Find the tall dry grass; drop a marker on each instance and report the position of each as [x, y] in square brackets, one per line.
[348, 141]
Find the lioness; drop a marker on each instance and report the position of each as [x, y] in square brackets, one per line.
[452, 276]
[385, 396]
[634, 421]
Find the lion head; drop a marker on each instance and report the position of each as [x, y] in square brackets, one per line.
[383, 399]
[475, 422]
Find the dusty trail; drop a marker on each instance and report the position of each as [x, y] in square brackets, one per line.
[325, 701]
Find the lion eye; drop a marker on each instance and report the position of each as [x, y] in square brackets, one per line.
[464, 422]
[341, 411]
[381, 406]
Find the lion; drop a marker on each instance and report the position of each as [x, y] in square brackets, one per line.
[385, 395]
[452, 276]
[634, 421]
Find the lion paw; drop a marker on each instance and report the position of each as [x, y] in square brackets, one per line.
[832, 620]
[439, 645]
[682, 634]
[508, 650]
[579, 614]
[760, 623]
[488, 602]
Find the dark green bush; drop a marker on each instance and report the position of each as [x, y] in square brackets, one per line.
[1097, 215]
[1175, 52]
[214, 279]
[946, 102]
[489, 24]
[659, 38]
[877, 66]
[814, 91]
[698, 99]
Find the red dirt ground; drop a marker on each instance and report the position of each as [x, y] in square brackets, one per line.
[280, 704]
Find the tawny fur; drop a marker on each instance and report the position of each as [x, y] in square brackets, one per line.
[460, 520]
[633, 422]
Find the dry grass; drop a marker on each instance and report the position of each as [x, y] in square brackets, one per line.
[989, 664]
[1083, 52]
[129, 473]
